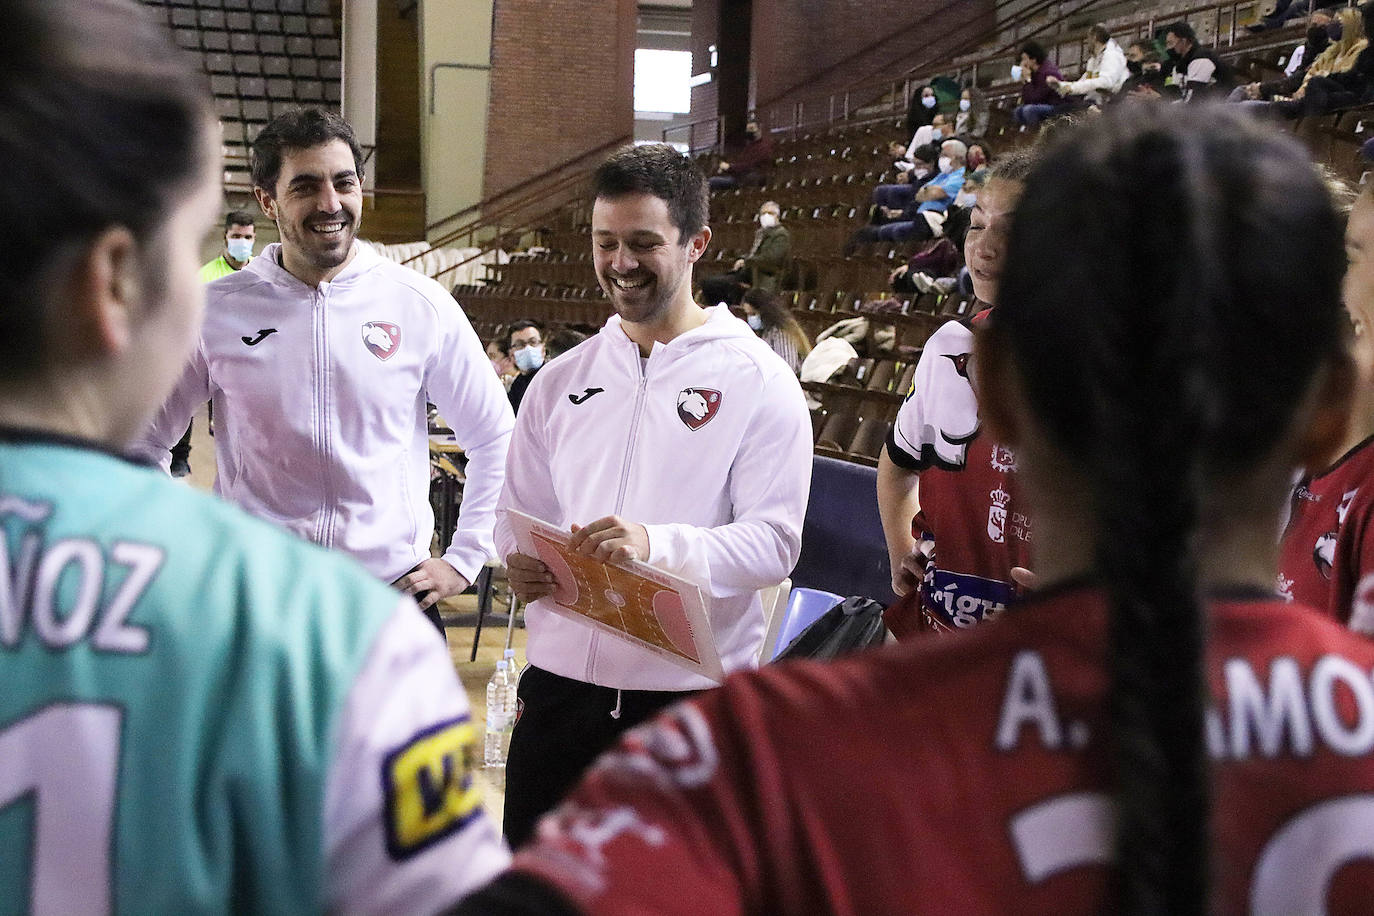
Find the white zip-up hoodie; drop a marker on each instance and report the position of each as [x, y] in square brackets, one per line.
[707, 443]
[319, 397]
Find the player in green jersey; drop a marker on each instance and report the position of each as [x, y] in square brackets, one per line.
[199, 713]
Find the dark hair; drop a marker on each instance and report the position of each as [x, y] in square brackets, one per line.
[971, 142]
[103, 123]
[1181, 30]
[1148, 48]
[926, 152]
[660, 170]
[521, 324]
[238, 218]
[561, 342]
[298, 129]
[775, 315]
[1158, 368]
[1100, 34]
[1035, 51]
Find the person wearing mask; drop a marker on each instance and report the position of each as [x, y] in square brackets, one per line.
[762, 267]
[1038, 99]
[239, 233]
[526, 342]
[972, 119]
[1103, 75]
[1344, 86]
[749, 164]
[1146, 80]
[921, 111]
[1300, 61]
[320, 356]
[925, 215]
[1155, 731]
[889, 200]
[766, 314]
[201, 713]
[1195, 70]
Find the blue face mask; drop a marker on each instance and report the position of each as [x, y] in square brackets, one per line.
[239, 249]
[527, 359]
[755, 322]
[1016, 72]
[928, 100]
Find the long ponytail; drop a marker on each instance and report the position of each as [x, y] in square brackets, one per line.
[1172, 285]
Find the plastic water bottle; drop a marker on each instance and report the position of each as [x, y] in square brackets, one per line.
[500, 715]
[513, 666]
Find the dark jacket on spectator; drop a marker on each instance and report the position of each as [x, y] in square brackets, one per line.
[1218, 79]
[752, 161]
[769, 257]
[1038, 91]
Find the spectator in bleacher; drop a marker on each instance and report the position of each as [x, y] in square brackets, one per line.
[890, 199]
[498, 351]
[972, 119]
[1195, 69]
[560, 342]
[924, 217]
[526, 342]
[977, 163]
[324, 430]
[1038, 99]
[937, 259]
[1103, 75]
[1146, 78]
[1285, 11]
[921, 111]
[934, 132]
[1303, 58]
[768, 316]
[945, 493]
[749, 164]
[1343, 86]
[762, 267]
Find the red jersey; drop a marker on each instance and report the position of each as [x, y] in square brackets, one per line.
[969, 508]
[1328, 545]
[970, 775]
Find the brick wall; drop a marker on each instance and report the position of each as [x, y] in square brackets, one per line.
[811, 42]
[562, 82]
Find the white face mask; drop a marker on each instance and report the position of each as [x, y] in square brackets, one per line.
[755, 322]
[965, 104]
[946, 165]
[920, 172]
[527, 359]
[928, 101]
[767, 220]
[1016, 72]
[239, 249]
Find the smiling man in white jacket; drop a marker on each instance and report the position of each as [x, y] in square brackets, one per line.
[319, 357]
[674, 436]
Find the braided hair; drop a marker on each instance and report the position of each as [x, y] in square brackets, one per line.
[1171, 288]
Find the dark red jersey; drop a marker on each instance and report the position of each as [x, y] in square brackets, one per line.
[1328, 545]
[971, 775]
[967, 492]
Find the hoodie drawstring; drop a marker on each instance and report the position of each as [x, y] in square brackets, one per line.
[615, 713]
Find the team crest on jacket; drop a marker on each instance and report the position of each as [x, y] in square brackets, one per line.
[696, 406]
[383, 338]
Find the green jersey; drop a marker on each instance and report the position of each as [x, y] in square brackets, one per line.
[213, 270]
[201, 713]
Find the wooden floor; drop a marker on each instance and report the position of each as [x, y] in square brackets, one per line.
[474, 674]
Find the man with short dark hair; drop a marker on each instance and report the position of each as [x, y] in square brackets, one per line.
[239, 232]
[525, 344]
[676, 437]
[320, 357]
[1195, 69]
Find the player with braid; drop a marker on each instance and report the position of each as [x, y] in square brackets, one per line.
[1154, 730]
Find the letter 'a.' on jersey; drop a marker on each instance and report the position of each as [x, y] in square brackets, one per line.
[203, 714]
[972, 776]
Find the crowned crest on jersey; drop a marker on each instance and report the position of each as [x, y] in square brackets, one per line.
[382, 338]
[697, 406]
[997, 515]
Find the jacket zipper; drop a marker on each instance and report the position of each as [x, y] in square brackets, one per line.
[624, 482]
[325, 528]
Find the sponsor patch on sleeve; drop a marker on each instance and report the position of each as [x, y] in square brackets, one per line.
[428, 787]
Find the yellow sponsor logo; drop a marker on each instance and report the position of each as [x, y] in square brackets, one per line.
[429, 787]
